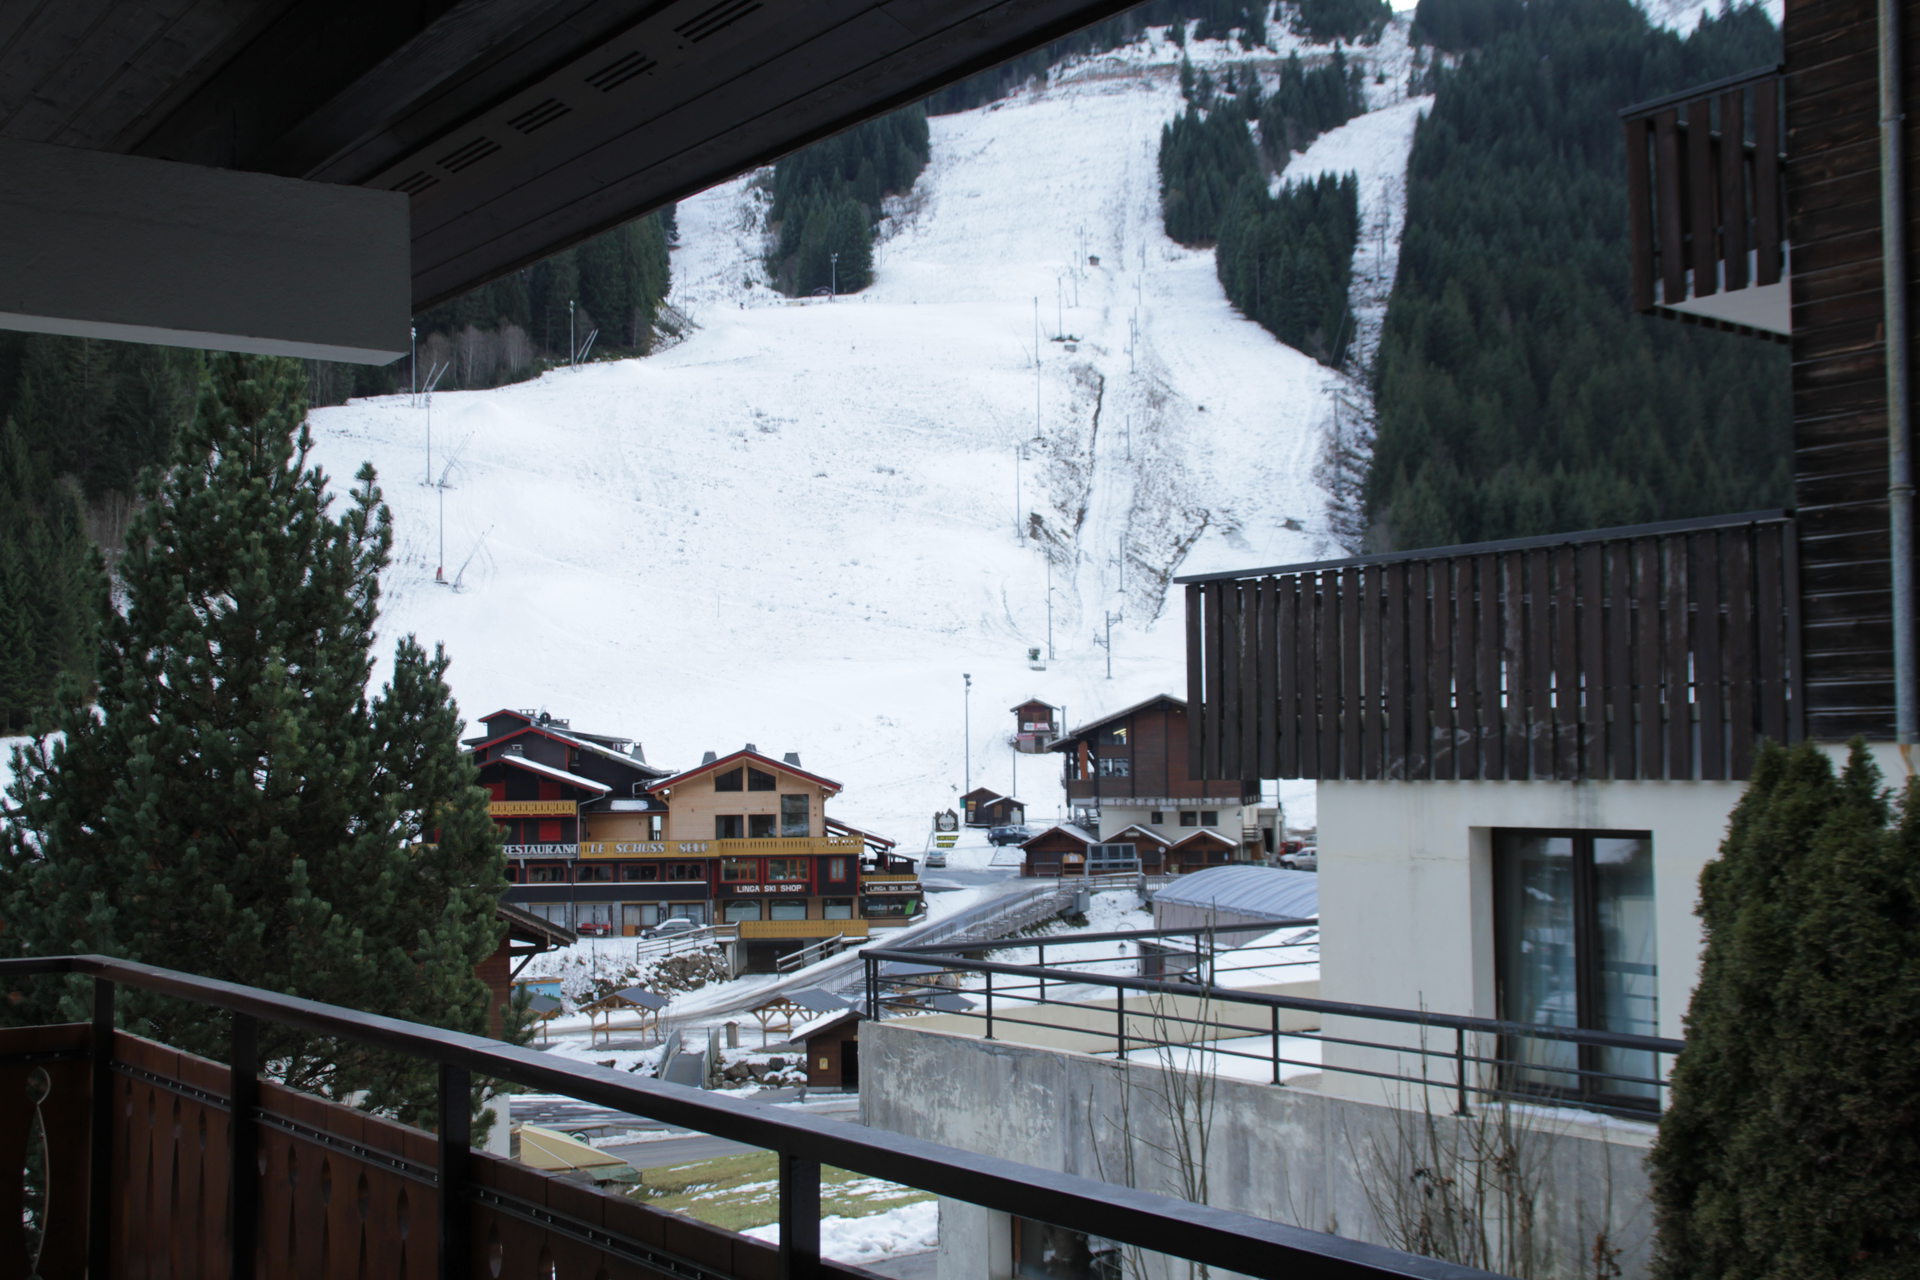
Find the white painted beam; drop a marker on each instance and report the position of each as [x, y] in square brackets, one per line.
[109, 246]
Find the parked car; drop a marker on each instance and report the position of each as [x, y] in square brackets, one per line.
[1009, 835]
[1308, 859]
[672, 927]
[599, 928]
[936, 858]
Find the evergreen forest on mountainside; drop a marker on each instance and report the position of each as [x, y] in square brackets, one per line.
[1285, 260]
[826, 200]
[1516, 392]
[1323, 21]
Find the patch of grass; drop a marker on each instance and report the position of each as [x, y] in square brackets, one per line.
[737, 1192]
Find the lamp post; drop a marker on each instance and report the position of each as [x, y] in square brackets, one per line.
[966, 730]
[833, 275]
[573, 348]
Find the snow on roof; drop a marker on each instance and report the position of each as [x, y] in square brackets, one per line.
[1136, 830]
[1073, 829]
[547, 770]
[633, 804]
[1121, 714]
[825, 1022]
[1268, 892]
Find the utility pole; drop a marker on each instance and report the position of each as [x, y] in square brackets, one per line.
[1019, 525]
[1036, 367]
[440, 564]
[1049, 608]
[833, 275]
[413, 365]
[1109, 644]
[573, 347]
[966, 722]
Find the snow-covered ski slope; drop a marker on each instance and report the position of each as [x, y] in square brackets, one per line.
[800, 526]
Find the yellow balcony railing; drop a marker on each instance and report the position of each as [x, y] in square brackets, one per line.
[776, 847]
[803, 928]
[882, 878]
[532, 808]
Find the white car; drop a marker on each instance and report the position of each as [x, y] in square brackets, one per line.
[672, 927]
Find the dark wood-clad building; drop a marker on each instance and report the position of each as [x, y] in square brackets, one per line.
[1035, 724]
[1133, 769]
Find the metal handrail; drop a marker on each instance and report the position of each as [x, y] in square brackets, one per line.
[1059, 974]
[1698, 91]
[1217, 1237]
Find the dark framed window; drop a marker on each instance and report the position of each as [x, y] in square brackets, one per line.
[759, 780]
[794, 819]
[728, 826]
[786, 869]
[760, 826]
[739, 870]
[547, 873]
[594, 872]
[1156, 816]
[728, 781]
[1115, 767]
[787, 909]
[1574, 947]
[1116, 737]
[1189, 818]
[640, 871]
[836, 908]
[742, 909]
[686, 871]
[1209, 818]
[1042, 1251]
[836, 869]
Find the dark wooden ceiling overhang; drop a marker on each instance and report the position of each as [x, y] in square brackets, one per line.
[515, 127]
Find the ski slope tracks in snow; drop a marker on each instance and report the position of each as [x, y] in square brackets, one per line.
[800, 526]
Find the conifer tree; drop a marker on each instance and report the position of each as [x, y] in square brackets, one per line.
[1791, 1145]
[232, 803]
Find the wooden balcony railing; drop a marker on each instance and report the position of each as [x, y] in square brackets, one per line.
[1707, 208]
[1652, 651]
[121, 1154]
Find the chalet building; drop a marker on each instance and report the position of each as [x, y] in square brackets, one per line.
[1527, 750]
[778, 868]
[600, 842]
[986, 808]
[1035, 724]
[1133, 769]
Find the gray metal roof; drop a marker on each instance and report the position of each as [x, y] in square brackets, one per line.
[1263, 892]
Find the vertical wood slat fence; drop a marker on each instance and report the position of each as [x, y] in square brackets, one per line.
[1654, 651]
[1707, 208]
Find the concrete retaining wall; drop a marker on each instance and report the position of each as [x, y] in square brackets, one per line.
[1289, 1154]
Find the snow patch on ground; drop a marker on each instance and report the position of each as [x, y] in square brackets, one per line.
[910, 1228]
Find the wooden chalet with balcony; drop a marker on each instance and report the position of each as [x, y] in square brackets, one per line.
[1134, 768]
[780, 870]
[1035, 724]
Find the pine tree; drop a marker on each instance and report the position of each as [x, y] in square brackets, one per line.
[232, 803]
[1791, 1145]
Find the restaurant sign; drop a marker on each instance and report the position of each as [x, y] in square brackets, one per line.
[543, 851]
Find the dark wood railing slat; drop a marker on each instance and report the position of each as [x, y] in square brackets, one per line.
[1769, 197]
[1287, 641]
[1393, 673]
[1440, 669]
[1735, 186]
[1771, 650]
[1703, 246]
[1267, 673]
[1352, 707]
[1679, 656]
[1640, 213]
[1419, 705]
[1669, 200]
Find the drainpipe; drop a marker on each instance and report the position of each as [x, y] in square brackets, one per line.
[1893, 241]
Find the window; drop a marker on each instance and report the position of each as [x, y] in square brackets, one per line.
[1113, 737]
[787, 910]
[1110, 859]
[1574, 947]
[759, 781]
[1209, 818]
[742, 909]
[685, 871]
[760, 826]
[1114, 767]
[786, 869]
[1156, 817]
[547, 873]
[836, 908]
[640, 871]
[728, 781]
[728, 826]
[739, 870]
[653, 827]
[836, 869]
[1189, 818]
[793, 816]
[594, 872]
[515, 873]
